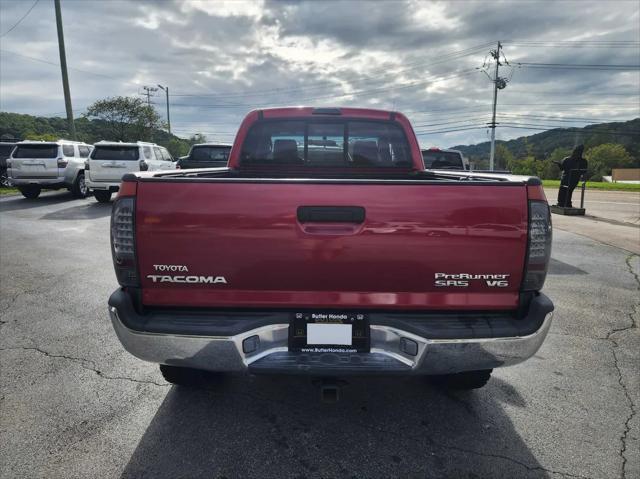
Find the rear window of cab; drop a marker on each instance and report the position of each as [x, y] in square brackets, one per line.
[331, 143]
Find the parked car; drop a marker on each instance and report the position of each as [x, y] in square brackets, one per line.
[439, 159]
[205, 155]
[6, 147]
[37, 165]
[345, 258]
[110, 160]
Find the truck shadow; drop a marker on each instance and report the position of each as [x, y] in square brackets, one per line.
[382, 427]
[85, 211]
[18, 202]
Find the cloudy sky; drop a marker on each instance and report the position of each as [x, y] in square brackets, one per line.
[570, 63]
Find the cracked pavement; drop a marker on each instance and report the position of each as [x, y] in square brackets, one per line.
[74, 404]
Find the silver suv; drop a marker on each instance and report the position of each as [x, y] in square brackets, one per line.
[37, 165]
[111, 160]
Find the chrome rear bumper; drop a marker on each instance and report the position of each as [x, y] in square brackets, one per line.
[387, 356]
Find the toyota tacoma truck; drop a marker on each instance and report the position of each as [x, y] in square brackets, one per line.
[326, 249]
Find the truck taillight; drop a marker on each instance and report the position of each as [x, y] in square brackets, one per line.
[62, 163]
[144, 166]
[123, 241]
[87, 166]
[539, 246]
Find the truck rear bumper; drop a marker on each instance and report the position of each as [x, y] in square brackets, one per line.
[264, 349]
[112, 186]
[44, 182]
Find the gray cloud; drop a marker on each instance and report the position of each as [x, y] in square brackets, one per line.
[222, 59]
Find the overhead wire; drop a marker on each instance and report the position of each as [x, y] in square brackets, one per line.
[20, 20]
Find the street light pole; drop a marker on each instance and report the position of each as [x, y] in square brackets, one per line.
[166, 90]
[63, 67]
[496, 56]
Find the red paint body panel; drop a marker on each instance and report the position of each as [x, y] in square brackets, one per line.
[248, 232]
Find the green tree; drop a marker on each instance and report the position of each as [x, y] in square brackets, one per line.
[503, 157]
[125, 118]
[550, 169]
[41, 137]
[603, 158]
[525, 166]
[178, 147]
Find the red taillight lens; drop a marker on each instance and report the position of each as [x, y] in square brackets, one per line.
[62, 163]
[123, 241]
[144, 166]
[539, 246]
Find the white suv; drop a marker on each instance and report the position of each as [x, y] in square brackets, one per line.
[37, 165]
[110, 161]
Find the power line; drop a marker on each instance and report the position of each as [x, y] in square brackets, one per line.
[577, 66]
[434, 132]
[57, 65]
[572, 130]
[564, 127]
[336, 95]
[21, 18]
[555, 118]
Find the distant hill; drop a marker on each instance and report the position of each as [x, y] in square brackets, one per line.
[541, 145]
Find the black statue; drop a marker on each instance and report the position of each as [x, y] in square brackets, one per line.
[573, 168]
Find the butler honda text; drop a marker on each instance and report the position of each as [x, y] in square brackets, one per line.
[326, 249]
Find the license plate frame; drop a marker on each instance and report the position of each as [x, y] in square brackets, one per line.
[303, 338]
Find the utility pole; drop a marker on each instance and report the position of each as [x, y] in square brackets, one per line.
[166, 90]
[65, 76]
[496, 55]
[148, 91]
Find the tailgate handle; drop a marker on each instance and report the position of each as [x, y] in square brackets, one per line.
[331, 214]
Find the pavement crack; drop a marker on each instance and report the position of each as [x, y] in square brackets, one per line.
[503, 457]
[14, 298]
[87, 364]
[632, 408]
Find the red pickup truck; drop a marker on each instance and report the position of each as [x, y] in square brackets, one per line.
[325, 248]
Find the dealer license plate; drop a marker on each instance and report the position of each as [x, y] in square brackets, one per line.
[327, 332]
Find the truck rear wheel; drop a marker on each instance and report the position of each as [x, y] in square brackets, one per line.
[79, 188]
[30, 191]
[103, 196]
[189, 377]
[463, 381]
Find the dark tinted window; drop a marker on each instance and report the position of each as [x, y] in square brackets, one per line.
[210, 153]
[5, 150]
[84, 151]
[327, 143]
[442, 160]
[36, 151]
[121, 153]
[67, 150]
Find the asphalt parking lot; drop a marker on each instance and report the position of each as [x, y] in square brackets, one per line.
[74, 404]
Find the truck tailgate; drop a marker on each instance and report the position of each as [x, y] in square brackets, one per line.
[250, 234]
